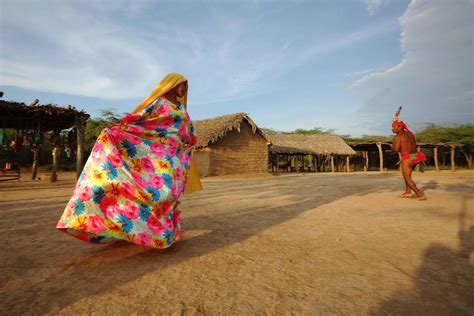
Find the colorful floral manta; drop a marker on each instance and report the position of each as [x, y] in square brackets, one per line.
[131, 184]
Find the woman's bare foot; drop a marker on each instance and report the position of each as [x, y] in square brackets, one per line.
[405, 195]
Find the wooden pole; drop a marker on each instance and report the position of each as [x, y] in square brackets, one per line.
[379, 146]
[55, 153]
[468, 159]
[315, 161]
[332, 163]
[80, 126]
[453, 163]
[34, 168]
[54, 175]
[435, 154]
[348, 168]
[365, 160]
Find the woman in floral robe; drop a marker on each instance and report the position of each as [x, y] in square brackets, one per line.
[131, 185]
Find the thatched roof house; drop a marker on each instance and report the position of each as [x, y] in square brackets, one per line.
[319, 144]
[230, 144]
[299, 152]
[39, 119]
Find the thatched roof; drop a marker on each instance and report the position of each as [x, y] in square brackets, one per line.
[18, 115]
[213, 129]
[323, 144]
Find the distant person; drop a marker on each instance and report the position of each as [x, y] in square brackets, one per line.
[406, 145]
[130, 188]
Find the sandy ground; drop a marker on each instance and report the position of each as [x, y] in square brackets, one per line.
[294, 244]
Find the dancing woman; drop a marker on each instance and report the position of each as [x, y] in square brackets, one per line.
[131, 185]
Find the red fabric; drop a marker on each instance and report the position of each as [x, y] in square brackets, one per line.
[402, 124]
[415, 158]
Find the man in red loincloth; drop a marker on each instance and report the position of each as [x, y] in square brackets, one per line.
[406, 145]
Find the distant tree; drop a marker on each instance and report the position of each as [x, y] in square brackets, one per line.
[95, 125]
[457, 134]
[314, 130]
[367, 138]
[270, 131]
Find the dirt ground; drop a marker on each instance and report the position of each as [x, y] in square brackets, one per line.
[289, 244]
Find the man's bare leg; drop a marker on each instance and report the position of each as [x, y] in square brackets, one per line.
[407, 169]
[407, 193]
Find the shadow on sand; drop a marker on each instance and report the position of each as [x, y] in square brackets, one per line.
[444, 283]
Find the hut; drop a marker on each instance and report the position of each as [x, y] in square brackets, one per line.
[309, 153]
[230, 144]
[32, 122]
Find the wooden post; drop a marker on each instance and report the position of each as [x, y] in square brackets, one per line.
[315, 162]
[365, 161]
[435, 154]
[468, 159]
[332, 163]
[80, 126]
[348, 167]
[302, 163]
[34, 168]
[379, 146]
[54, 175]
[453, 163]
[55, 152]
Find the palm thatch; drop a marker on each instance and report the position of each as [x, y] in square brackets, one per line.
[211, 130]
[18, 115]
[320, 144]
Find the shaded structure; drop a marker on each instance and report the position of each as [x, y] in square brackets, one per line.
[367, 150]
[34, 121]
[309, 153]
[230, 144]
[382, 153]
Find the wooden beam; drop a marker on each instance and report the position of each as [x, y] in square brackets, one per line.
[435, 154]
[379, 146]
[348, 167]
[332, 163]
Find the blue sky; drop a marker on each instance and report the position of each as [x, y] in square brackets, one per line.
[343, 64]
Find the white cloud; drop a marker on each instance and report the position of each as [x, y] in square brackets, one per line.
[434, 81]
[119, 50]
[373, 5]
[75, 50]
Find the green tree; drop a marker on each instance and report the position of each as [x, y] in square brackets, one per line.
[95, 125]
